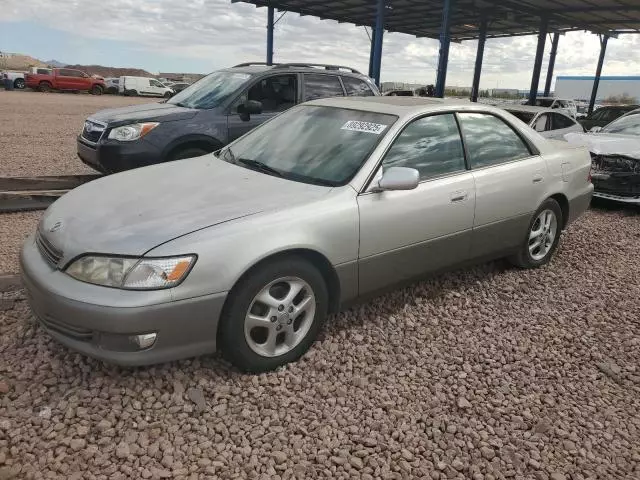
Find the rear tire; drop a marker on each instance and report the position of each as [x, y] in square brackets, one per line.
[541, 240]
[96, 90]
[279, 337]
[19, 83]
[187, 153]
[45, 87]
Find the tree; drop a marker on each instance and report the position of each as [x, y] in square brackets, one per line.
[622, 99]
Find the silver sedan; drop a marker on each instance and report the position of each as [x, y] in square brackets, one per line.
[249, 249]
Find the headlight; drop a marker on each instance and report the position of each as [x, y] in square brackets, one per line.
[128, 133]
[131, 273]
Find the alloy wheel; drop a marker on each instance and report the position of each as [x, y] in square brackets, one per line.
[542, 234]
[280, 316]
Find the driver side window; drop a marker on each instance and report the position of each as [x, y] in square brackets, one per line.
[542, 123]
[277, 93]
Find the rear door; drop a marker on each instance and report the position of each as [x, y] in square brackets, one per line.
[65, 80]
[509, 179]
[277, 93]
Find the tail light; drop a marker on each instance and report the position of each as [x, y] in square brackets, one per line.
[589, 175]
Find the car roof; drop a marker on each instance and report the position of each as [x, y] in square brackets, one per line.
[528, 108]
[399, 106]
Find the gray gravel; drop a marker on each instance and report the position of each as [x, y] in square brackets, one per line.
[487, 373]
[38, 130]
[483, 374]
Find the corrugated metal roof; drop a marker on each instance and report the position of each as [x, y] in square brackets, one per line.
[507, 18]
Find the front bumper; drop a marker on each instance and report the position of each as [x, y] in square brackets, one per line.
[102, 327]
[618, 198]
[112, 157]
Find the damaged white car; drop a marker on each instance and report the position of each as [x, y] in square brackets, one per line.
[615, 155]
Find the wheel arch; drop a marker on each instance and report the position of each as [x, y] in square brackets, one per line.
[563, 201]
[314, 257]
[191, 141]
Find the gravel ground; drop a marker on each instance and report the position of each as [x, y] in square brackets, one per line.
[38, 130]
[488, 373]
[38, 137]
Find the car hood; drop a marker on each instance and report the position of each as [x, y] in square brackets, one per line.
[607, 143]
[132, 212]
[145, 112]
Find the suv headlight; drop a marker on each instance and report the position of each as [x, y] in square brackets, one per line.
[132, 273]
[135, 131]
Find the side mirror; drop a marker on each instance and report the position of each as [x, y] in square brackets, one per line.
[595, 129]
[398, 178]
[246, 109]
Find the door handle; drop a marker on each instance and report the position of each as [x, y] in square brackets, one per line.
[458, 197]
[537, 178]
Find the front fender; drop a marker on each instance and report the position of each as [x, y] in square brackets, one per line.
[328, 226]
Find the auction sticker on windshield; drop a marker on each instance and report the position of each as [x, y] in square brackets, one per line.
[367, 127]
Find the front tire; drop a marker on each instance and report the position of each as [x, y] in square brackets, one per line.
[167, 95]
[96, 90]
[45, 87]
[543, 236]
[273, 315]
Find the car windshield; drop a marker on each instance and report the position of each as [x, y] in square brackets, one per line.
[210, 91]
[526, 117]
[627, 125]
[311, 144]
[544, 102]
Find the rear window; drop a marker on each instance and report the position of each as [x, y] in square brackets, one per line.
[356, 88]
[526, 117]
[321, 86]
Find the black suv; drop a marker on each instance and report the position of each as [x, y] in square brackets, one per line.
[210, 113]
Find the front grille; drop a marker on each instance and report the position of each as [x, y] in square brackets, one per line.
[615, 163]
[92, 131]
[50, 253]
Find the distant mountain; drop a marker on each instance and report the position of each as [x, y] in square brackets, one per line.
[107, 72]
[55, 63]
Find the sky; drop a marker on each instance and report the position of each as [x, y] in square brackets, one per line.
[200, 36]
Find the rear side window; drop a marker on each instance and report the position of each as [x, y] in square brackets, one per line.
[490, 141]
[356, 88]
[432, 145]
[321, 86]
[561, 121]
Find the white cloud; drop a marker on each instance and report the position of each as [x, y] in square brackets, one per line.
[220, 34]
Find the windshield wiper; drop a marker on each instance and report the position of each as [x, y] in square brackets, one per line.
[256, 165]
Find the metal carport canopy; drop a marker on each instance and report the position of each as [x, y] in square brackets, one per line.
[507, 18]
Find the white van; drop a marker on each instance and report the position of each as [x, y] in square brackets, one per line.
[148, 87]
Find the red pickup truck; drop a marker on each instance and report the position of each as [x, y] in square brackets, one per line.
[65, 79]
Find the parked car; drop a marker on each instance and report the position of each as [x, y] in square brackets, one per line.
[209, 114]
[111, 85]
[179, 86]
[143, 86]
[547, 122]
[248, 249]
[605, 115]
[400, 93]
[615, 152]
[16, 77]
[566, 106]
[65, 79]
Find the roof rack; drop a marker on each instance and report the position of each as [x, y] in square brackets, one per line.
[308, 65]
[251, 64]
[317, 65]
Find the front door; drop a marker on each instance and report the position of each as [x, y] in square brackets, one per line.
[156, 88]
[405, 234]
[509, 180]
[277, 93]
